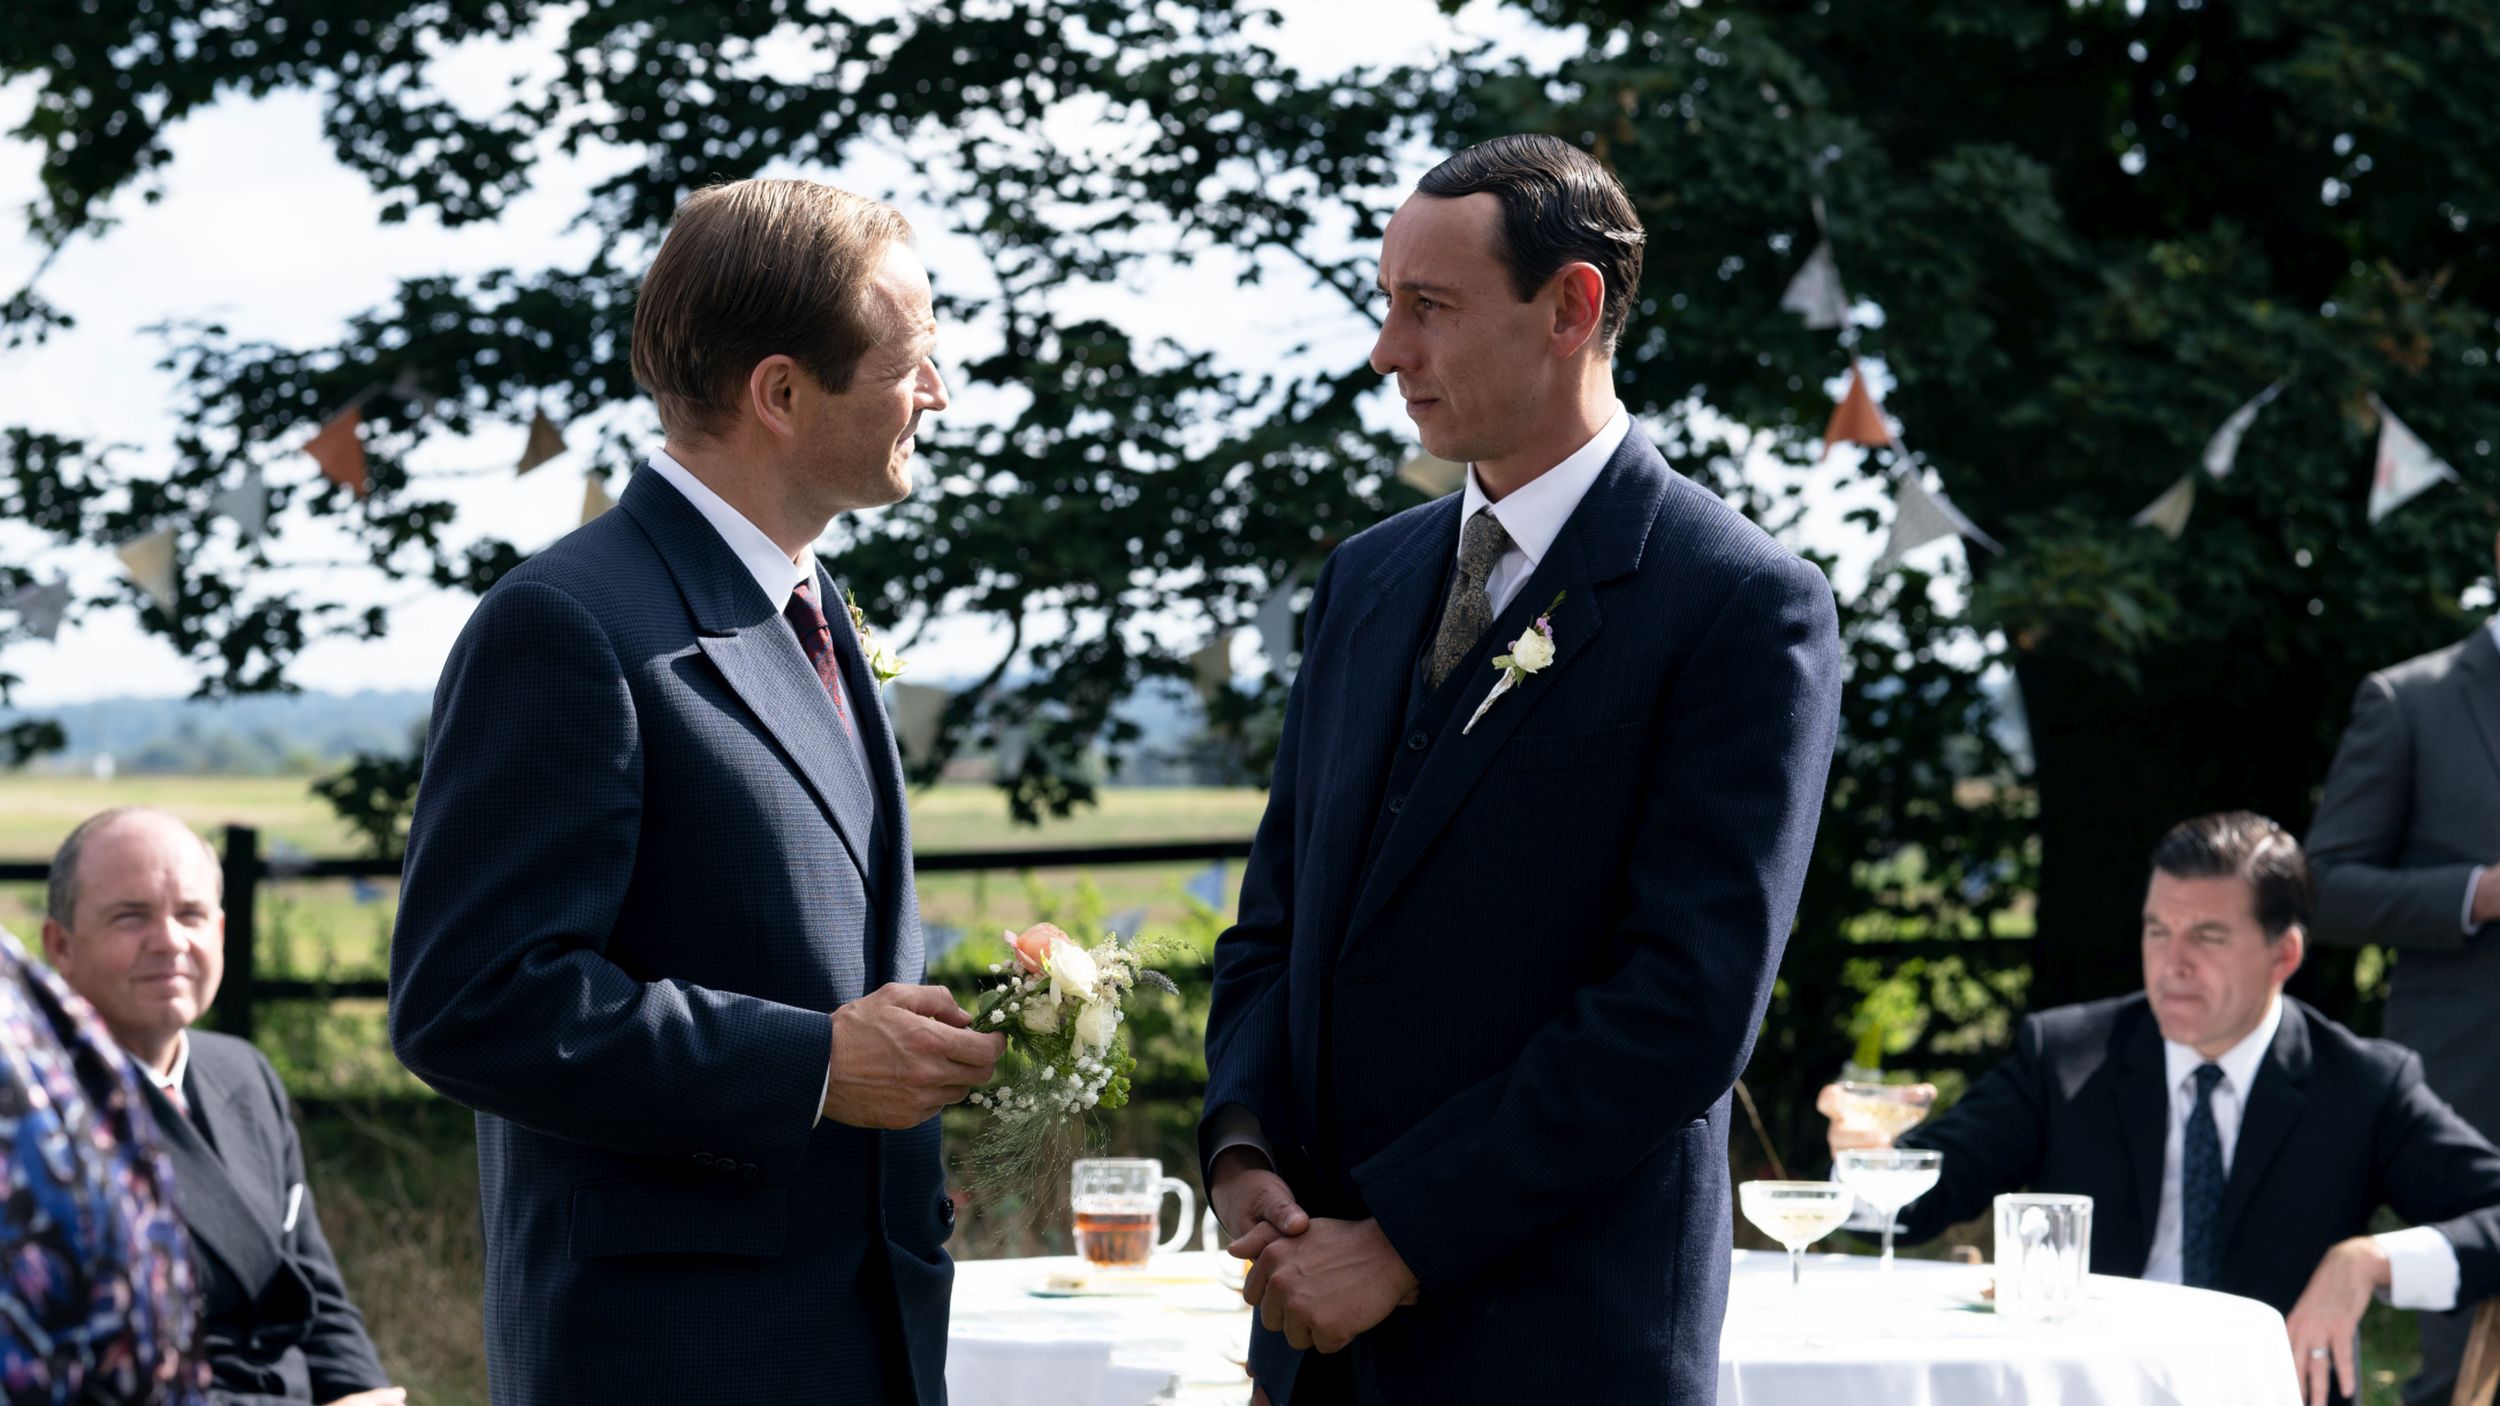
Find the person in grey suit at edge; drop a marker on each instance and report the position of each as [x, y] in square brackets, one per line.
[658, 925]
[2407, 849]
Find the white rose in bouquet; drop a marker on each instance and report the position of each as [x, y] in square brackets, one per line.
[1041, 1014]
[1094, 1025]
[1072, 971]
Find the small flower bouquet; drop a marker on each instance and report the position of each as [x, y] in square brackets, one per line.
[1060, 1006]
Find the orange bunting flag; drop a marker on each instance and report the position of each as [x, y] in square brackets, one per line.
[1857, 419]
[545, 442]
[340, 451]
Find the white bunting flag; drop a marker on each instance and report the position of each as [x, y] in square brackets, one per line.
[40, 608]
[150, 562]
[248, 504]
[2223, 450]
[1275, 623]
[595, 499]
[1014, 741]
[1433, 477]
[2168, 514]
[1920, 517]
[917, 709]
[1212, 666]
[1815, 293]
[2406, 466]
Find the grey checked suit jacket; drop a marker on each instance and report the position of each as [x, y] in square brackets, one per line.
[2411, 806]
[642, 870]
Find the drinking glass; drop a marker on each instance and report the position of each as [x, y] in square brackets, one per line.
[1893, 1108]
[1116, 1201]
[2044, 1251]
[1889, 1178]
[1796, 1214]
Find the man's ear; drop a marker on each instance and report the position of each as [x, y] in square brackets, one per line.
[2290, 948]
[1580, 306]
[772, 390]
[56, 945]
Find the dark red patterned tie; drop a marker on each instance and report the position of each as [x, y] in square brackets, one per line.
[816, 637]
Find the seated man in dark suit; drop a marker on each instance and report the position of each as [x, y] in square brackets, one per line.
[2229, 1136]
[135, 924]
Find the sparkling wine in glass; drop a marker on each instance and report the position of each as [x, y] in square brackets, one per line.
[1889, 1178]
[1893, 1109]
[1796, 1214]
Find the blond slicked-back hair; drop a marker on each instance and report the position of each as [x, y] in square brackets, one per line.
[753, 269]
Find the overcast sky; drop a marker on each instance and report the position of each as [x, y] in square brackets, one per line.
[261, 229]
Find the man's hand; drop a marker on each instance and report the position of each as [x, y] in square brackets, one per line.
[2487, 895]
[2324, 1323]
[1850, 1128]
[379, 1396]
[1334, 1281]
[901, 1053]
[1252, 1203]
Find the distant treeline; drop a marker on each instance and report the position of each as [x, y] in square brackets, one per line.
[261, 735]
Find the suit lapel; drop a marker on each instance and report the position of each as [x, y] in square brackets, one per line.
[2142, 1093]
[885, 766]
[1602, 541]
[758, 655]
[219, 1213]
[2274, 1105]
[2480, 663]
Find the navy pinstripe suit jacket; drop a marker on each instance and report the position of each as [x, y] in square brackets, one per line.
[641, 872]
[1497, 1000]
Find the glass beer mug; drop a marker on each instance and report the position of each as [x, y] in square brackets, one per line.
[1116, 1201]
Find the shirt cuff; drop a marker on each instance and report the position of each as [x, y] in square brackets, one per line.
[1235, 1126]
[2465, 915]
[2421, 1269]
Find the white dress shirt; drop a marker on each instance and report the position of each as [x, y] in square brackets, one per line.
[170, 1082]
[1533, 515]
[2422, 1264]
[775, 573]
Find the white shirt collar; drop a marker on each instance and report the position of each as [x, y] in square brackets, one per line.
[172, 1079]
[1534, 514]
[2495, 631]
[775, 574]
[2239, 1063]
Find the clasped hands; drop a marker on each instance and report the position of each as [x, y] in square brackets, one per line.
[1320, 1282]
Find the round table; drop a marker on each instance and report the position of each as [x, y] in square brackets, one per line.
[1177, 1332]
[1850, 1337]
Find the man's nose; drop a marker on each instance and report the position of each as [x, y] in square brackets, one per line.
[932, 387]
[1389, 349]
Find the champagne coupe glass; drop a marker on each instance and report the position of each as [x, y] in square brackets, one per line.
[1796, 1214]
[1892, 1108]
[1889, 1178]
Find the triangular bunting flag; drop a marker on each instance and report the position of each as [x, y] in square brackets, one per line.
[917, 709]
[1013, 743]
[2223, 450]
[1815, 293]
[40, 608]
[1857, 419]
[150, 562]
[247, 503]
[1212, 666]
[1275, 622]
[1128, 923]
[1920, 517]
[595, 499]
[1433, 477]
[2406, 466]
[340, 451]
[2168, 514]
[545, 442]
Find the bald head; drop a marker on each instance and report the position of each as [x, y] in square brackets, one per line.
[136, 924]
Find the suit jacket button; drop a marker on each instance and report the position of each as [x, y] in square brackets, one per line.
[703, 1159]
[1418, 742]
[746, 1169]
[946, 1209]
[1397, 805]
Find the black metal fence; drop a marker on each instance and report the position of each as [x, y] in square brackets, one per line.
[247, 867]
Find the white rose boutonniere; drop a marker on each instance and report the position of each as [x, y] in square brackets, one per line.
[883, 664]
[1529, 654]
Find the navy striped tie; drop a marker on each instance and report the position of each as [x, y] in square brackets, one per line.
[2200, 1188]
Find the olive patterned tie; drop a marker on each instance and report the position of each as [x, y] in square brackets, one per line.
[1469, 611]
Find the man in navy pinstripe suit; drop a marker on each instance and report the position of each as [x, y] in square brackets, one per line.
[658, 926]
[1502, 952]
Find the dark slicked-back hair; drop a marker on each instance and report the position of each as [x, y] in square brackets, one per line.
[2241, 844]
[1558, 207]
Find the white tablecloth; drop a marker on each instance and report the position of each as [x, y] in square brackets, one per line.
[1174, 1332]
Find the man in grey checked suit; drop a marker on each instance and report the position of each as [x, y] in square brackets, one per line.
[658, 926]
[2407, 850]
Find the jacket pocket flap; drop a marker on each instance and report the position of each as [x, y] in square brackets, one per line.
[625, 1216]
